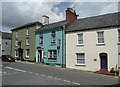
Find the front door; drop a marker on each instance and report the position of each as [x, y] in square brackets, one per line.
[39, 55]
[103, 61]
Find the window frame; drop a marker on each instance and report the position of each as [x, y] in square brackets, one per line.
[52, 55]
[27, 50]
[16, 42]
[100, 38]
[118, 36]
[27, 32]
[27, 41]
[80, 58]
[16, 34]
[80, 36]
[16, 52]
[41, 38]
[53, 37]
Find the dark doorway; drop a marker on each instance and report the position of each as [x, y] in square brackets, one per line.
[39, 55]
[103, 61]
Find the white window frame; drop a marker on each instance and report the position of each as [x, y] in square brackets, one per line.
[16, 42]
[118, 36]
[100, 38]
[80, 39]
[16, 35]
[27, 41]
[27, 32]
[41, 39]
[52, 55]
[53, 38]
[80, 58]
[16, 53]
[27, 53]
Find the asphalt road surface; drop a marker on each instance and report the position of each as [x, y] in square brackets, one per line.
[20, 73]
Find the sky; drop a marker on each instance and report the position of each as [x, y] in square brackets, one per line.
[15, 14]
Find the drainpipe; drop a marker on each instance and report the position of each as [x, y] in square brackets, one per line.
[63, 45]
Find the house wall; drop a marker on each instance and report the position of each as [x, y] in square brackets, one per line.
[6, 46]
[22, 37]
[91, 50]
[47, 46]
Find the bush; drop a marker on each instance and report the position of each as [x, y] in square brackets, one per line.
[114, 71]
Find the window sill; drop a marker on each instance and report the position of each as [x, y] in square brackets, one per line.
[50, 60]
[53, 43]
[100, 44]
[27, 44]
[80, 45]
[79, 64]
[27, 57]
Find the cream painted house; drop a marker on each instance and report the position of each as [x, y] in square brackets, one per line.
[93, 43]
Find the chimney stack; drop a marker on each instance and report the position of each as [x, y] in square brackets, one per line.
[70, 15]
[45, 19]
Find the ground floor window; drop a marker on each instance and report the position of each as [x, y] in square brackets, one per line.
[27, 52]
[16, 53]
[52, 54]
[80, 58]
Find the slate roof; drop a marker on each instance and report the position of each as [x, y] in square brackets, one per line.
[101, 21]
[51, 26]
[28, 24]
[6, 35]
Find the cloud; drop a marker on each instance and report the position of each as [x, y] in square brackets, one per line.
[15, 14]
[18, 13]
[87, 9]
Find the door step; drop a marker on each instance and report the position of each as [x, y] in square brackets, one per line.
[105, 72]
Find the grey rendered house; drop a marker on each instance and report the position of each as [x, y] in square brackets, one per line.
[23, 41]
[6, 43]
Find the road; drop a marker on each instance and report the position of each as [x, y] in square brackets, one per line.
[20, 73]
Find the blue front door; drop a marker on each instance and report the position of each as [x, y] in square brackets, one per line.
[103, 58]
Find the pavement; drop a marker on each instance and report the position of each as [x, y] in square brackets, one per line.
[25, 73]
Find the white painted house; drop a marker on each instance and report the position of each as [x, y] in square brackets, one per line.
[93, 43]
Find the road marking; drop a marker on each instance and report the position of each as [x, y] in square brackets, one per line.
[66, 80]
[57, 78]
[9, 67]
[30, 72]
[19, 70]
[29, 63]
[50, 76]
[42, 75]
[76, 83]
[36, 73]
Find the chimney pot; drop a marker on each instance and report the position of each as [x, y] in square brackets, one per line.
[45, 19]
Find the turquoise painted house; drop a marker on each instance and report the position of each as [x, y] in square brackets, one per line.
[50, 40]
[50, 44]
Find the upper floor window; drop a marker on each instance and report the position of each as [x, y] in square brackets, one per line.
[52, 54]
[53, 37]
[27, 41]
[118, 35]
[100, 37]
[16, 34]
[16, 43]
[27, 32]
[80, 58]
[80, 39]
[41, 39]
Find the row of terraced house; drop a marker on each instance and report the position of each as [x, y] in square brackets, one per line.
[91, 43]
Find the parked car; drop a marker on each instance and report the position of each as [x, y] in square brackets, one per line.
[7, 58]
